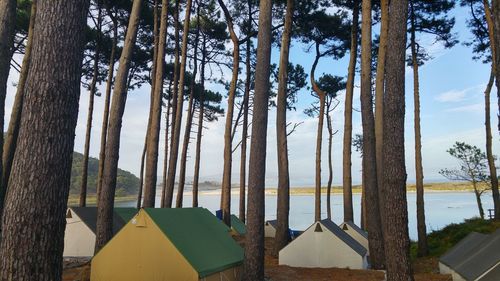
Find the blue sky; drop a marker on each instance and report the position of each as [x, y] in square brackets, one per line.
[452, 101]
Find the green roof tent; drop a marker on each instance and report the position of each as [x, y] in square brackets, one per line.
[79, 236]
[170, 244]
[238, 226]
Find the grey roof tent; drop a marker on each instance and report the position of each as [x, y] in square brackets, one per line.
[348, 240]
[357, 229]
[476, 257]
[88, 215]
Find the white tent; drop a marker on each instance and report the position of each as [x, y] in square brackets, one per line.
[324, 245]
[270, 228]
[355, 232]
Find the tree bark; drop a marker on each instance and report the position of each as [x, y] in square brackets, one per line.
[174, 151]
[165, 158]
[104, 229]
[141, 174]
[423, 249]
[254, 246]
[347, 150]
[92, 92]
[225, 204]
[9, 146]
[496, 59]
[153, 142]
[189, 119]
[395, 223]
[282, 236]
[7, 32]
[176, 82]
[105, 118]
[34, 217]
[478, 200]
[330, 165]
[370, 188]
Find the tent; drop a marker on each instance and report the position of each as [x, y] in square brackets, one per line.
[476, 257]
[355, 232]
[170, 244]
[79, 236]
[324, 245]
[237, 226]
[270, 228]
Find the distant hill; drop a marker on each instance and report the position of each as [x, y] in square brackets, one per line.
[127, 183]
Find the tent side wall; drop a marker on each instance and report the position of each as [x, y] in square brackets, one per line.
[357, 236]
[269, 230]
[230, 274]
[79, 240]
[444, 269]
[320, 249]
[140, 251]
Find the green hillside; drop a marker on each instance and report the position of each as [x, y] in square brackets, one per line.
[127, 183]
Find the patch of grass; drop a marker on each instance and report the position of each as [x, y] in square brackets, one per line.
[442, 240]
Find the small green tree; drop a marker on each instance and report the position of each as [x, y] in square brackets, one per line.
[473, 168]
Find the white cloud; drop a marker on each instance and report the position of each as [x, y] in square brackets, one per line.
[452, 96]
[476, 107]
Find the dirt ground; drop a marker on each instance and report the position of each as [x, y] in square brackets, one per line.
[426, 269]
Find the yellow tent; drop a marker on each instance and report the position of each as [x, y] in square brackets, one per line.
[170, 244]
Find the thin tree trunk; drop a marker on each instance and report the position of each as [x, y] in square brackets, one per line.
[489, 150]
[254, 246]
[370, 188]
[199, 135]
[226, 175]
[174, 152]
[478, 200]
[92, 91]
[423, 249]
[495, 9]
[104, 225]
[282, 236]
[395, 223]
[9, 146]
[330, 166]
[347, 150]
[105, 118]
[176, 83]
[189, 119]
[141, 174]
[165, 158]
[153, 141]
[34, 217]
[7, 32]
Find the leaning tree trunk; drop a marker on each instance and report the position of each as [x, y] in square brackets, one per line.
[477, 193]
[370, 188]
[225, 203]
[254, 246]
[189, 119]
[104, 224]
[347, 150]
[34, 217]
[330, 165]
[395, 222]
[282, 236]
[489, 152]
[7, 32]
[174, 151]
[105, 118]
[423, 249]
[154, 130]
[9, 146]
[92, 92]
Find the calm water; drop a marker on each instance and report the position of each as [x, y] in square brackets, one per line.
[442, 208]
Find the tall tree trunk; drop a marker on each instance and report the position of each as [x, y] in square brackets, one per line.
[330, 165]
[370, 188]
[105, 118]
[282, 236]
[9, 146]
[141, 174]
[478, 200]
[104, 225]
[347, 150]
[423, 249]
[494, 67]
[254, 246]
[189, 119]
[165, 158]
[174, 151]
[199, 135]
[7, 32]
[225, 204]
[153, 142]
[34, 217]
[244, 130]
[495, 9]
[395, 223]
[92, 92]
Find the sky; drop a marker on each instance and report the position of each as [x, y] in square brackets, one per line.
[452, 109]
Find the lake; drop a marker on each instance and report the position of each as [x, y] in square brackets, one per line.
[441, 208]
